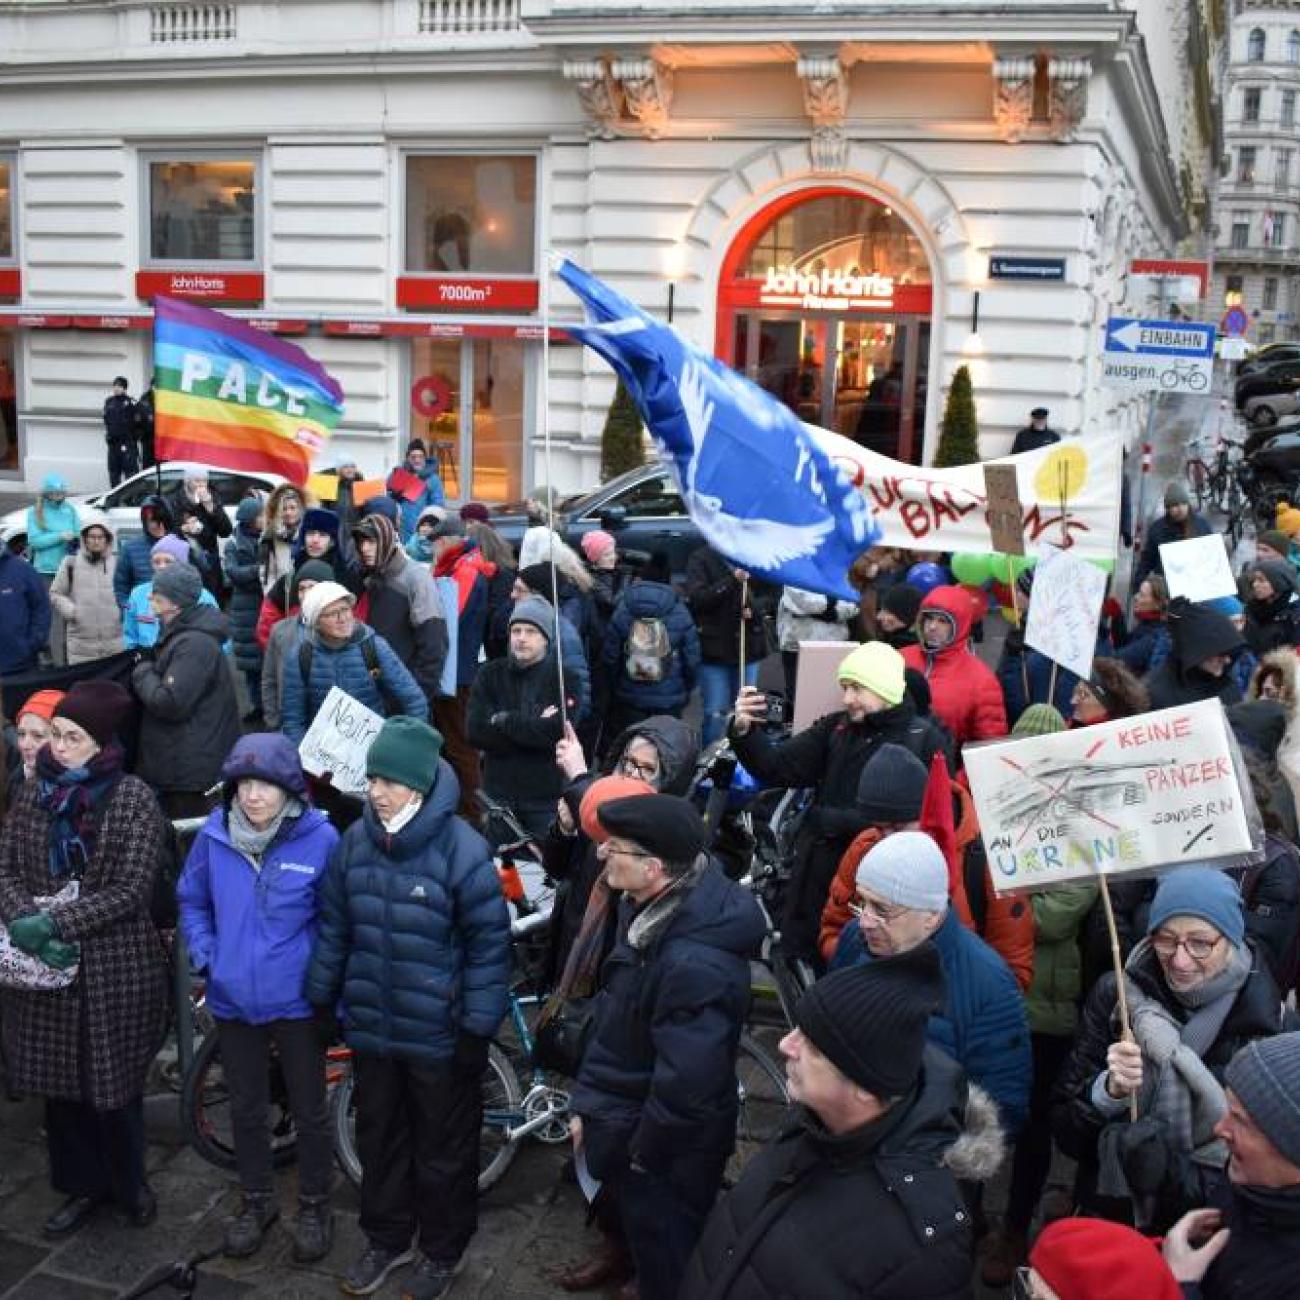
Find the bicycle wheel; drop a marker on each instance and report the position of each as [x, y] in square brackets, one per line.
[501, 1100]
[206, 1110]
[764, 1103]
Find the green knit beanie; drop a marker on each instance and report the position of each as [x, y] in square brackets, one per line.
[406, 751]
[1038, 720]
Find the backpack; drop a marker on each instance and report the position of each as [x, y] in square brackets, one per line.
[391, 706]
[648, 650]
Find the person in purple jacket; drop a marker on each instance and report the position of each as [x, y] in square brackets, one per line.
[249, 911]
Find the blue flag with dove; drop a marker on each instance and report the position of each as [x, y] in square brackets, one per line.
[760, 491]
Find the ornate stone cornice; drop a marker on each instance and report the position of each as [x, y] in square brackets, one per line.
[1013, 96]
[647, 92]
[1067, 95]
[599, 95]
[826, 100]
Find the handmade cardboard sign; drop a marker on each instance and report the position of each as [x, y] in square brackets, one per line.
[338, 741]
[816, 686]
[1064, 610]
[1005, 513]
[1156, 790]
[1198, 568]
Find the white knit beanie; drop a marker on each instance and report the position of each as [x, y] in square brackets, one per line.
[907, 869]
[320, 597]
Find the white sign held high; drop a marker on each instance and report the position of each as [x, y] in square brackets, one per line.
[1064, 609]
[1198, 568]
[338, 741]
[1156, 790]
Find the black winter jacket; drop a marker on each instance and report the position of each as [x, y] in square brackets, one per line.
[1262, 1258]
[414, 933]
[829, 756]
[1271, 894]
[872, 1213]
[658, 1079]
[191, 714]
[246, 597]
[714, 595]
[1196, 634]
[1162, 531]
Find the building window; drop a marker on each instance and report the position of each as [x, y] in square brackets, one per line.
[471, 215]
[1255, 45]
[1275, 229]
[1269, 302]
[1293, 46]
[6, 209]
[1246, 165]
[1240, 233]
[1286, 116]
[1283, 168]
[202, 209]
[1250, 104]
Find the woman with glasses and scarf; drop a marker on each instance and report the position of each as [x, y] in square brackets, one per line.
[1197, 990]
[87, 1048]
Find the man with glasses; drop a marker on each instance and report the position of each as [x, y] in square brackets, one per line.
[860, 1196]
[901, 902]
[655, 1102]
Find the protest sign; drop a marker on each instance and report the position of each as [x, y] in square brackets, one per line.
[1069, 495]
[1150, 791]
[338, 741]
[1005, 513]
[1198, 568]
[1064, 610]
[816, 685]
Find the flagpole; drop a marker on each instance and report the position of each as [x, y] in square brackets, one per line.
[545, 390]
[744, 600]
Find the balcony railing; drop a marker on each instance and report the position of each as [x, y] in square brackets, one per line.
[183, 23]
[469, 17]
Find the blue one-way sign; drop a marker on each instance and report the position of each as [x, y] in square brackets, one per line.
[1161, 338]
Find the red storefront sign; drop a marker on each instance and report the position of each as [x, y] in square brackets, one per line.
[37, 321]
[202, 286]
[277, 326]
[112, 322]
[423, 329]
[461, 293]
[11, 282]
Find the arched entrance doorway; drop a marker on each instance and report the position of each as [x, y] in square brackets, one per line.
[825, 301]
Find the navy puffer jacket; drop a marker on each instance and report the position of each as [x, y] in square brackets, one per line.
[653, 600]
[242, 569]
[414, 933]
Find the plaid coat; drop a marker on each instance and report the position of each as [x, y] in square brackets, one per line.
[93, 1041]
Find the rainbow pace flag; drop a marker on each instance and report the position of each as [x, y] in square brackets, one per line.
[230, 395]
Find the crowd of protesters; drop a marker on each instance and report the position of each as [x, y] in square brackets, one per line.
[949, 1033]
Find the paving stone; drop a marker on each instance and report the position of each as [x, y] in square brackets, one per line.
[48, 1286]
[17, 1259]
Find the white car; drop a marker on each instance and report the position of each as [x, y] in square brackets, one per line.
[1268, 408]
[122, 503]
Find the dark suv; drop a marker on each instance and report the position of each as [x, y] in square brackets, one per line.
[1276, 377]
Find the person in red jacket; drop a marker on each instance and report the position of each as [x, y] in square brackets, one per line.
[964, 691]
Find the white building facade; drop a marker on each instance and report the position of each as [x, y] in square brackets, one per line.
[845, 201]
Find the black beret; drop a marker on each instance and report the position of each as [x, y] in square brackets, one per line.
[662, 824]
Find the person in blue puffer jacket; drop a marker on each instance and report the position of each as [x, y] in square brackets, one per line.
[902, 901]
[249, 907]
[651, 654]
[415, 940]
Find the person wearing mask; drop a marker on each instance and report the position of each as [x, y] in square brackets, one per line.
[720, 595]
[203, 522]
[282, 645]
[514, 718]
[119, 433]
[1272, 613]
[860, 1194]
[1203, 647]
[82, 594]
[25, 615]
[897, 614]
[190, 711]
[401, 602]
[829, 757]
[806, 616]
[283, 517]
[245, 580]
[421, 994]
[32, 731]
[412, 503]
[1035, 435]
[902, 901]
[964, 690]
[140, 626]
[1177, 524]
[52, 528]
[87, 1049]
[655, 1101]
[249, 902]
[1198, 990]
[133, 557]
[337, 649]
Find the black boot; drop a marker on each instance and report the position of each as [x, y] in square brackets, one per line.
[313, 1229]
[74, 1213]
[244, 1230]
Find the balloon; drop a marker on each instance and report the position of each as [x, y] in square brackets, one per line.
[926, 577]
[1105, 565]
[1022, 562]
[972, 570]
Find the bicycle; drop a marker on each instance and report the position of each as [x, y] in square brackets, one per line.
[1185, 371]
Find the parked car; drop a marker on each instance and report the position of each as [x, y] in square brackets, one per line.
[641, 508]
[122, 503]
[1268, 355]
[1278, 377]
[1267, 409]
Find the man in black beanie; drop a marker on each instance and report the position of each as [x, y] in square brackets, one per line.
[859, 1195]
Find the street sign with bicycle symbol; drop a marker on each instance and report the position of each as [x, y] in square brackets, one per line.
[1155, 356]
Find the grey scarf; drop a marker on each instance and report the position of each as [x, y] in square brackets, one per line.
[651, 921]
[250, 841]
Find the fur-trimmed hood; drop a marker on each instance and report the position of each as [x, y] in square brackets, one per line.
[1280, 663]
[981, 1150]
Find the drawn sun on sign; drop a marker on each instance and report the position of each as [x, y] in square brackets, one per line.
[1062, 475]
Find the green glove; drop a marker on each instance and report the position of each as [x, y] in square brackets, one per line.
[30, 933]
[60, 955]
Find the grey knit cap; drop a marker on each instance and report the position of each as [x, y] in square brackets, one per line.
[179, 583]
[538, 612]
[1265, 1075]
